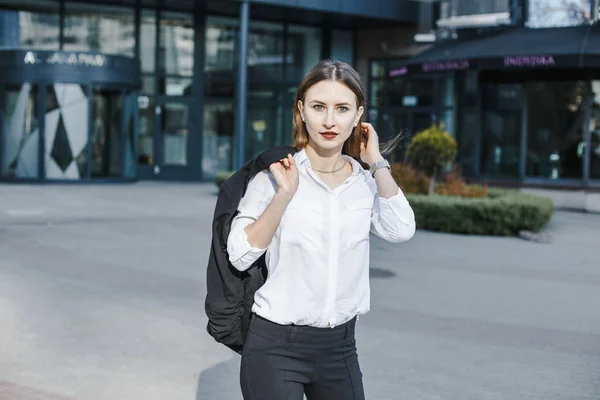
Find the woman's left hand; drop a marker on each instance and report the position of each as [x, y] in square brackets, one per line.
[370, 153]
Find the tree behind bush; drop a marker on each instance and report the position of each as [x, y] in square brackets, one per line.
[431, 150]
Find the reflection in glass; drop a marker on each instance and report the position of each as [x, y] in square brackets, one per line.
[595, 133]
[34, 25]
[558, 13]
[175, 86]
[176, 48]
[217, 136]
[467, 142]
[263, 129]
[66, 131]
[130, 105]
[148, 84]
[555, 139]
[394, 92]
[146, 130]
[174, 132]
[265, 52]
[447, 119]
[501, 130]
[501, 143]
[148, 40]
[20, 138]
[106, 134]
[422, 89]
[94, 27]
[304, 51]
[377, 69]
[376, 93]
[220, 44]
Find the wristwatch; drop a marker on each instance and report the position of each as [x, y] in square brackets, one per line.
[380, 164]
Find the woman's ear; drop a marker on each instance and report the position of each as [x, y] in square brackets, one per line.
[359, 115]
[301, 109]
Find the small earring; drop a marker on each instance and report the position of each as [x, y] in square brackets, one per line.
[303, 119]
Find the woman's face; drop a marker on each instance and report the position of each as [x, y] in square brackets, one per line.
[330, 112]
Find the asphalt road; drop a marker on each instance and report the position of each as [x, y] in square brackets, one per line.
[102, 290]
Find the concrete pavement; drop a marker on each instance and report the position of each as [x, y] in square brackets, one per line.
[102, 290]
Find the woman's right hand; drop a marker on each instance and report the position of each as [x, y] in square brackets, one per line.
[286, 176]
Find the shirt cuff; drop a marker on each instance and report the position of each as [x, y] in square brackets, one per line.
[242, 254]
[399, 206]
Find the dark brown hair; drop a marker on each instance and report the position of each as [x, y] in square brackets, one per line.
[335, 71]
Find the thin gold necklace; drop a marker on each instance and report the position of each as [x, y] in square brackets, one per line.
[332, 172]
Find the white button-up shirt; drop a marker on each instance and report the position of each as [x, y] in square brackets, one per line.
[318, 260]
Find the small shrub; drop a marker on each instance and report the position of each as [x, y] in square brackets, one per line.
[222, 176]
[455, 185]
[431, 150]
[409, 180]
[415, 182]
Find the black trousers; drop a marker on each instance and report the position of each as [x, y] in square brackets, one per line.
[283, 362]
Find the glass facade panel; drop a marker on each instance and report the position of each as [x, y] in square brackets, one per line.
[174, 132]
[130, 105]
[220, 57]
[376, 93]
[555, 139]
[66, 131]
[33, 25]
[218, 138]
[146, 106]
[265, 52]
[501, 143]
[501, 128]
[106, 134]
[422, 90]
[378, 69]
[304, 51]
[20, 131]
[175, 86]
[468, 131]
[558, 13]
[595, 133]
[263, 129]
[176, 49]
[148, 41]
[148, 84]
[104, 29]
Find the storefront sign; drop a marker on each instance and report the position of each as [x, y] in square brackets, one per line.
[450, 65]
[60, 58]
[398, 72]
[528, 61]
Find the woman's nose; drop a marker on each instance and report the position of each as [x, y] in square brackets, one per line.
[329, 119]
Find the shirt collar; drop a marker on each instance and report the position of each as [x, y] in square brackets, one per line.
[301, 158]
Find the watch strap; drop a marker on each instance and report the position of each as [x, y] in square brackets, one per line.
[378, 165]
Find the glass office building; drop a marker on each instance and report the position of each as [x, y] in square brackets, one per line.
[522, 101]
[146, 89]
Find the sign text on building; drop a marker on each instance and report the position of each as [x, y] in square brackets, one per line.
[60, 58]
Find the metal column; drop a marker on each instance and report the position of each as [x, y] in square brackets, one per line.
[241, 87]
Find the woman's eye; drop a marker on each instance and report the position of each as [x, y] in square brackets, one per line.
[343, 109]
[318, 107]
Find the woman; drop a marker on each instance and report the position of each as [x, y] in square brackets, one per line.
[312, 213]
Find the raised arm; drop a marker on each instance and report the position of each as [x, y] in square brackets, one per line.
[260, 213]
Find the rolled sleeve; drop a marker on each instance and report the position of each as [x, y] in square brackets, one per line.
[258, 196]
[393, 219]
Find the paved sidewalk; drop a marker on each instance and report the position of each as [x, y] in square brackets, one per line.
[102, 290]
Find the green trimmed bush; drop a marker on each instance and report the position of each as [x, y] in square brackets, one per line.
[502, 213]
[430, 151]
[222, 176]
